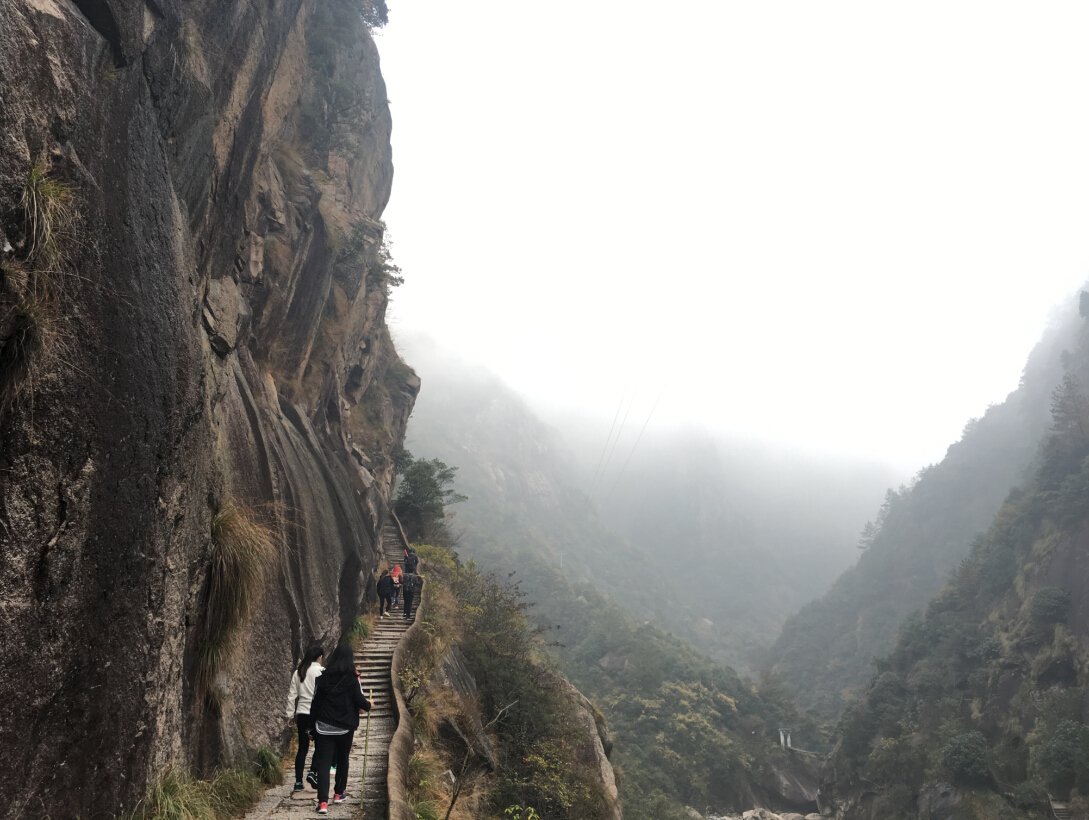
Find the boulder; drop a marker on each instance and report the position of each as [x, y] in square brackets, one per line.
[760, 814]
[939, 800]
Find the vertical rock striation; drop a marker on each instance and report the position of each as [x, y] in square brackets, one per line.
[213, 332]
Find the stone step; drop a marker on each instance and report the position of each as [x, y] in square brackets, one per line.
[376, 730]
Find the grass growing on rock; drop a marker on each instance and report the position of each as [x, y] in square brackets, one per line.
[359, 631]
[424, 771]
[228, 794]
[30, 329]
[270, 766]
[538, 748]
[243, 551]
[50, 212]
[31, 280]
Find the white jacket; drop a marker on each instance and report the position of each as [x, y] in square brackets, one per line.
[302, 690]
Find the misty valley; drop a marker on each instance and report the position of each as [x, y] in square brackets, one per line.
[734, 591]
[296, 521]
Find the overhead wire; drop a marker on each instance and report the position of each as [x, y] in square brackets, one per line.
[616, 441]
[616, 415]
[637, 440]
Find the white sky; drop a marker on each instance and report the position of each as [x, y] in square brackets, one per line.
[836, 224]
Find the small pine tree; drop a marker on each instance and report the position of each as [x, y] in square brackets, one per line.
[422, 496]
[1070, 411]
[869, 533]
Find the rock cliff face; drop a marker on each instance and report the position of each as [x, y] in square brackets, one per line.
[199, 328]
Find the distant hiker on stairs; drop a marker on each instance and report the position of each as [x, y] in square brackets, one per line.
[412, 586]
[412, 560]
[338, 699]
[398, 578]
[299, 696]
[385, 593]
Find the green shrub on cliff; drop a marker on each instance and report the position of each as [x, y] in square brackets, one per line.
[1064, 757]
[422, 495]
[965, 756]
[540, 751]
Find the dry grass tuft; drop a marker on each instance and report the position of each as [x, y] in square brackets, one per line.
[424, 776]
[244, 549]
[30, 286]
[30, 329]
[179, 797]
[49, 209]
[230, 793]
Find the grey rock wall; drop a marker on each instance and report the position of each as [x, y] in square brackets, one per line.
[209, 339]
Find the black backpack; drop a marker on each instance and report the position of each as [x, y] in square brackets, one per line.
[412, 560]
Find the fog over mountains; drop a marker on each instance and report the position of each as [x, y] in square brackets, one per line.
[717, 540]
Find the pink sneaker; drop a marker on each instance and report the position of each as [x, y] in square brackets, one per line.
[323, 808]
[340, 798]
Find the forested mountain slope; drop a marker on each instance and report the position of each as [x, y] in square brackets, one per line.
[687, 730]
[756, 532]
[825, 651]
[980, 709]
[763, 530]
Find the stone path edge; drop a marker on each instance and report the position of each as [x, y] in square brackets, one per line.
[403, 744]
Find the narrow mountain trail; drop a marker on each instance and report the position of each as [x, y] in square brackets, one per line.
[1060, 811]
[373, 661]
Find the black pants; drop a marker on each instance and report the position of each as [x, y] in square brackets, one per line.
[331, 750]
[303, 722]
[408, 602]
[384, 604]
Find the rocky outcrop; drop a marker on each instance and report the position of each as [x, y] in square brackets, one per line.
[595, 754]
[207, 330]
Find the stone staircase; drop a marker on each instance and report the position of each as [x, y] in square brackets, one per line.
[373, 661]
[1059, 810]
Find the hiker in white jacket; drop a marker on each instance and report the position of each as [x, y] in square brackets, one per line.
[299, 695]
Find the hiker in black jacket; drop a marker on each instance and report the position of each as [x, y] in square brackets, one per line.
[411, 591]
[385, 593]
[338, 699]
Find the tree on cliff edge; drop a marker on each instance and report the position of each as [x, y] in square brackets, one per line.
[422, 496]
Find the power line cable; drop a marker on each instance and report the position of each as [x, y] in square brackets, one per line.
[616, 415]
[637, 440]
[616, 441]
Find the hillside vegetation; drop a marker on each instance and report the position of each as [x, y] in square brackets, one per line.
[986, 689]
[512, 733]
[685, 730]
[922, 532]
[764, 531]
